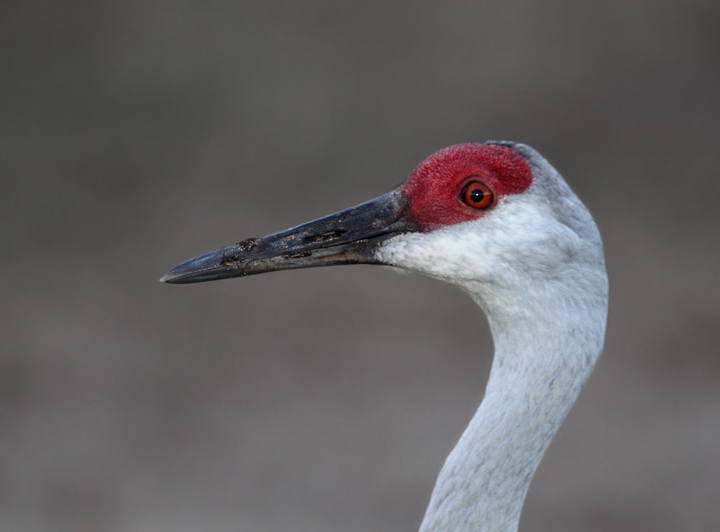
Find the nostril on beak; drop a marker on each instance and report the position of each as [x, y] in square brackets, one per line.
[325, 237]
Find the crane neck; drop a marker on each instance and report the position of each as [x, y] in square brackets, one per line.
[542, 360]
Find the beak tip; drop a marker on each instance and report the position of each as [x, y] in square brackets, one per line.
[206, 267]
[171, 277]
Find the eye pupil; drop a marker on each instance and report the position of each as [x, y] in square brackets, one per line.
[476, 195]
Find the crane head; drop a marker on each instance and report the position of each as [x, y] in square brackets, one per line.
[467, 213]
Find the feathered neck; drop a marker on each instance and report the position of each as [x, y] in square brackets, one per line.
[542, 360]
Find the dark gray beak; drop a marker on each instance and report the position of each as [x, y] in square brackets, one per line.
[347, 237]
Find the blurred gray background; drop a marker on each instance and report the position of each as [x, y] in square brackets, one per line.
[137, 134]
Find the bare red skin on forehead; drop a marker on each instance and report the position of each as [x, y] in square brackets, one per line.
[434, 186]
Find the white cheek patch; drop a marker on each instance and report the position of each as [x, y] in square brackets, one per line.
[478, 250]
[443, 256]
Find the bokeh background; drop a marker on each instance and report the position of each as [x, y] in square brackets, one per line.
[137, 134]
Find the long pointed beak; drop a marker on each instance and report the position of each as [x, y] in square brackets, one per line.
[347, 237]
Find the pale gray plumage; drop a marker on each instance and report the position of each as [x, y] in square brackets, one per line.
[535, 265]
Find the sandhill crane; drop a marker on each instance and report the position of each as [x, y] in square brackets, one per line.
[499, 221]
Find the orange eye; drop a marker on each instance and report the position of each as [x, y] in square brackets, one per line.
[477, 195]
